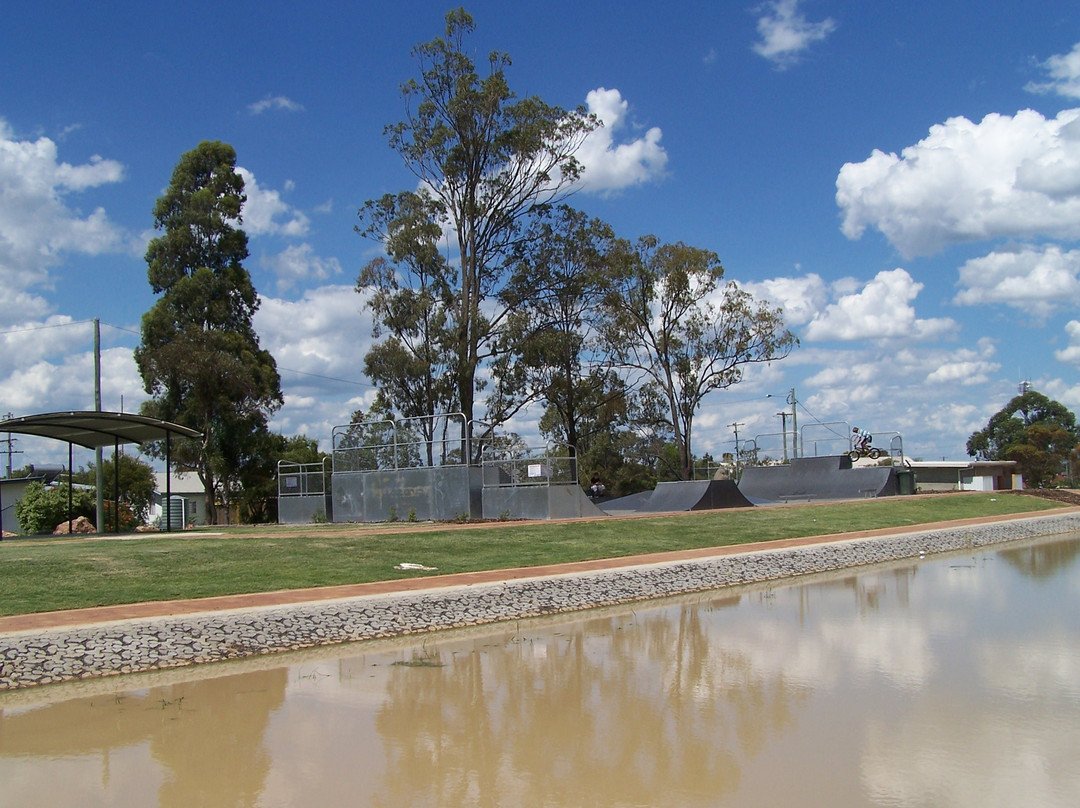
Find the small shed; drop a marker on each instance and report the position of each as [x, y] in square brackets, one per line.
[972, 475]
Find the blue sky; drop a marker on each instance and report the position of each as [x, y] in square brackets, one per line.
[902, 178]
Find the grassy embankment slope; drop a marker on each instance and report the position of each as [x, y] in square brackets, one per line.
[50, 574]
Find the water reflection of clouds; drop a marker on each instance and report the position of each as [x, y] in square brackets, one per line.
[1032, 668]
[942, 753]
[815, 638]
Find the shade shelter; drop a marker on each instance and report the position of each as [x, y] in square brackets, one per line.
[96, 430]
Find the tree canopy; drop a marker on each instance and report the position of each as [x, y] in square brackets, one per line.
[1040, 434]
[484, 160]
[672, 320]
[199, 357]
[137, 483]
[491, 283]
[561, 272]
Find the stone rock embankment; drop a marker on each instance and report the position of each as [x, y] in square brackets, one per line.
[32, 658]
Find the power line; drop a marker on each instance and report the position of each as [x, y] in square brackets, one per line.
[42, 327]
[821, 423]
[64, 325]
[328, 378]
[136, 333]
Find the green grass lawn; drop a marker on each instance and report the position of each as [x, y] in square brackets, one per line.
[48, 574]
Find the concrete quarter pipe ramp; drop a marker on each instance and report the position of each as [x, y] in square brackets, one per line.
[538, 502]
[694, 495]
[817, 478]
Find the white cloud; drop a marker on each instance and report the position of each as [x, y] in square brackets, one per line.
[786, 33]
[611, 166]
[35, 341]
[66, 382]
[319, 344]
[38, 224]
[276, 102]
[299, 263]
[1071, 354]
[1005, 177]
[966, 367]
[1064, 72]
[801, 298]
[881, 309]
[265, 209]
[1036, 280]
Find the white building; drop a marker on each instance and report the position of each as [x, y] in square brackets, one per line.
[973, 475]
[188, 500]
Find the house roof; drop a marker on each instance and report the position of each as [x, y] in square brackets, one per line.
[179, 482]
[974, 465]
[95, 430]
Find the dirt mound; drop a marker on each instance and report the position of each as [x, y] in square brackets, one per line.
[1069, 496]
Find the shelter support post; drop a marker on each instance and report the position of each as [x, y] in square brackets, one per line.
[116, 486]
[70, 506]
[168, 482]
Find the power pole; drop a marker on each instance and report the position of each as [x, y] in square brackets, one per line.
[738, 463]
[794, 425]
[783, 415]
[10, 450]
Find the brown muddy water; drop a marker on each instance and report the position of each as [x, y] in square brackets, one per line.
[953, 681]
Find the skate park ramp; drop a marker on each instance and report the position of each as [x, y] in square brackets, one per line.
[538, 502]
[807, 479]
[692, 495]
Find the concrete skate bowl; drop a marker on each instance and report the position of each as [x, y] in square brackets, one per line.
[807, 479]
[692, 495]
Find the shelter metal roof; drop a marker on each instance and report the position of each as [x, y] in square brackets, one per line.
[96, 429]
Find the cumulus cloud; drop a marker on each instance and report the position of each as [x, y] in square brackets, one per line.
[275, 102]
[609, 165]
[298, 264]
[319, 342]
[966, 367]
[266, 213]
[880, 310]
[800, 298]
[38, 222]
[911, 390]
[1036, 280]
[1005, 177]
[1064, 73]
[34, 341]
[1071, 354]
[66, 382]
[786, 33]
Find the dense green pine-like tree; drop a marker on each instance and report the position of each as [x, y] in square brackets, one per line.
[200, 357]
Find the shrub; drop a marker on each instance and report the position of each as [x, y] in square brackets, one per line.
[41, 509]
[128, 520]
